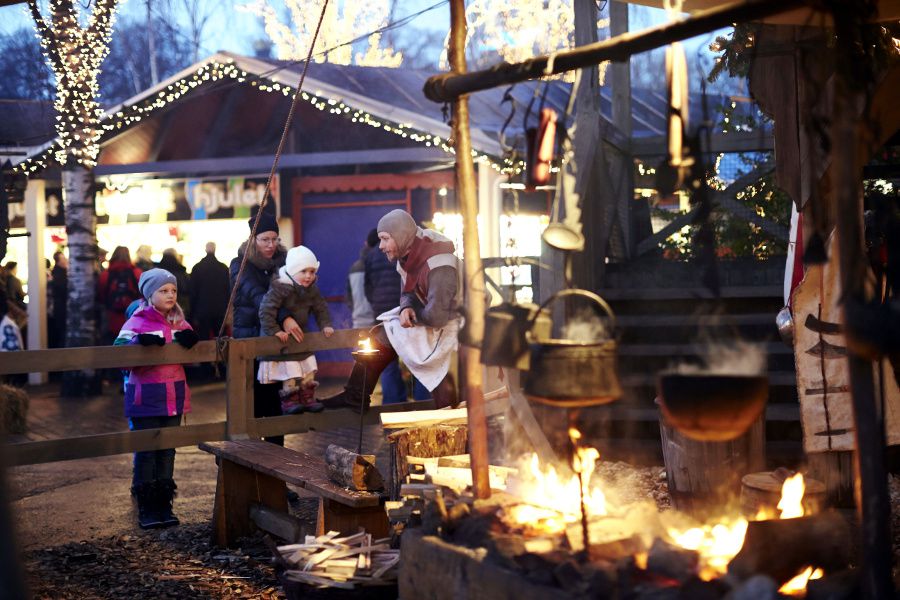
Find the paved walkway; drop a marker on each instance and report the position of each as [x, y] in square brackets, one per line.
[76, 500]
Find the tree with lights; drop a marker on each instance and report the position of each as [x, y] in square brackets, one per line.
[75, 39]
[343, 22]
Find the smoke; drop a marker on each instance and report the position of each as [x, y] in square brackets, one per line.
[585, 326]
[735, 358]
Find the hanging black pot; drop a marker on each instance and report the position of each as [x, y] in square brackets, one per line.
[506, 331]
[571, 373]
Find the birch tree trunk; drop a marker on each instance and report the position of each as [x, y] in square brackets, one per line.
[81, 225]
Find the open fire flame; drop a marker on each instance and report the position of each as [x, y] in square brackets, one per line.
[365, 345]
[550, 503]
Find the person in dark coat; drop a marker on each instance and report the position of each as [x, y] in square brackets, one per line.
[117, 287]
[209, 294]
[265, 255]
[171, 263]
[382, 285]
[59, 290]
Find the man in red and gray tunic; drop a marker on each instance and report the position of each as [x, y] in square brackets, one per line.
[423, 329]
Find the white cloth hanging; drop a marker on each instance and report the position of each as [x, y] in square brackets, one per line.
[272, 371]
[426, 351]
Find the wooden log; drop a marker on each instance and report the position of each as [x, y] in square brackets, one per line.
[425, 442]
[285, 526]
[781, 548]
[351, 470]
[704, 476]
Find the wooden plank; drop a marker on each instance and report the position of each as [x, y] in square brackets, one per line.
[336, 516]
[751, 291]
[237, 489]
[781, 378]
[695, 320]
[107, 444]
[239, 391]
[297, 468]
[108, 357]
[692, 349]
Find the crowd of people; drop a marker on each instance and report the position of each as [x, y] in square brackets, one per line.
[404, 288]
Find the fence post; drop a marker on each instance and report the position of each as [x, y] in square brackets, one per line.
[239, 389]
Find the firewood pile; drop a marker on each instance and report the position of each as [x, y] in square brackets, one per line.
[346, 562]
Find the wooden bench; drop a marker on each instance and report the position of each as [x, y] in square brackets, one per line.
[253, 474]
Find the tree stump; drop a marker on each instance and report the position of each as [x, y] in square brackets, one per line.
[762, 491]
[705, 476]
[422, 442]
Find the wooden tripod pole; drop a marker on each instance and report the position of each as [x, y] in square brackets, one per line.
[872, 498]
[471, 378]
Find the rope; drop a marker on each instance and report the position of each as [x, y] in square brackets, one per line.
[220, 345]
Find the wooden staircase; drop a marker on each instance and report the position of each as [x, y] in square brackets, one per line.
[661, 327]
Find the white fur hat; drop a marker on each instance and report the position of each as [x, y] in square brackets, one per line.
[298, 258]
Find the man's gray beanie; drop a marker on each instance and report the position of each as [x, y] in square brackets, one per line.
[402, 228]
[154, 279]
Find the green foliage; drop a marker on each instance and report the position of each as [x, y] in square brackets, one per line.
[735, 52]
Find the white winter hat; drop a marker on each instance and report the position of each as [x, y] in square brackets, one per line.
[298, 259]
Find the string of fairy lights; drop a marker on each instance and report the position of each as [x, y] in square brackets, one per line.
[75, 54]
[216, 71]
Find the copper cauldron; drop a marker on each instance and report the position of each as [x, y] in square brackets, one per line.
[570, 373]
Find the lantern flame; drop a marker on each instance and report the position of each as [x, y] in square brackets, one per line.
[797, 585]
[365, 345]
[791, 503]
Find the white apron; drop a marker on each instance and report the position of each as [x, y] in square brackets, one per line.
[426, 351]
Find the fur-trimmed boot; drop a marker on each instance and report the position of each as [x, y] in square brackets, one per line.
[291, 401]
[148, 514]
[165, 494]
[308, 397]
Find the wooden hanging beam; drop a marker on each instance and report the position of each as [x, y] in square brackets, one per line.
[470, 357]
[449, 86]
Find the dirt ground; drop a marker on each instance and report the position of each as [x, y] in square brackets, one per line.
[77, 530]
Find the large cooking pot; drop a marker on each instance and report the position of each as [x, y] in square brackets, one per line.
[571, 373]
[712, 407]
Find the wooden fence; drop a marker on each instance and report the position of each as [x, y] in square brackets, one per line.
[239, 422]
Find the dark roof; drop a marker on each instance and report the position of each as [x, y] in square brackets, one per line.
[26, 122]
[402, 87]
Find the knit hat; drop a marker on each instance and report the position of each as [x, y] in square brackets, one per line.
[298, 259]
[267, 222]
[401, 226]
[154, 279]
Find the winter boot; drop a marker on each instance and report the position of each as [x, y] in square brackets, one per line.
[291, 401]
[308, 397]
[353, 396]
[148, 515]
[165, 494]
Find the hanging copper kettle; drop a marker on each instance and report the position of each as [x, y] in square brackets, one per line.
[574, 373]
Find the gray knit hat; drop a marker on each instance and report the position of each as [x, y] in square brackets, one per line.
[154, 279]
[402, 228]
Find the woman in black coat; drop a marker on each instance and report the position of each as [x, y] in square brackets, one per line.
[265, 255]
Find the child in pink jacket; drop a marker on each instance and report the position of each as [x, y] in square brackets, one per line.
[156, 396]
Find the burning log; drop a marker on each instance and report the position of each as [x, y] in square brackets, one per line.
[671, 561]
[355, 471]
[784, 547]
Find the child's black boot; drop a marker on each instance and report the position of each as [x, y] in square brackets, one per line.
[165, 496]
[148, 515]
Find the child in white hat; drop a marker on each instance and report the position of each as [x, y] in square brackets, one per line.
[294, 293]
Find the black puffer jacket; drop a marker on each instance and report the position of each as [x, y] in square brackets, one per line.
[382, 282]
[253, 286]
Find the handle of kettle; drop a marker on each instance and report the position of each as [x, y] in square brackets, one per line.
[577, 292]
